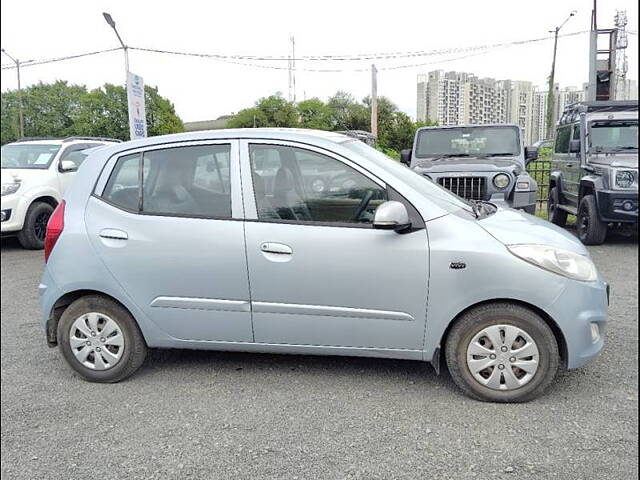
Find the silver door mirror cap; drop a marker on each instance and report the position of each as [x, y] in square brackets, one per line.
[391, 215]
[68, 166]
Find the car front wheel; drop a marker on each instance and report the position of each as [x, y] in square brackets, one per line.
[591, 230]
[34, 229]
[502, 352]
[100, 340]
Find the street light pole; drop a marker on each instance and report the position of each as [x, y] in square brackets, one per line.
[550, 95]
[20, 107]
[125, 49]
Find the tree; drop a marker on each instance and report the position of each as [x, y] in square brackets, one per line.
[61, 110]
[272, 111]
[348, 114]
[314, 113]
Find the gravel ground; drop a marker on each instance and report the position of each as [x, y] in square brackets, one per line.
[190, 414]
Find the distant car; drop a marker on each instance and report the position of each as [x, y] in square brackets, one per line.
[595, 169]
[178, 242]
[477, 162]
[35, 175]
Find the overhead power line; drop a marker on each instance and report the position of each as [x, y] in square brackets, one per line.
[43, 61]
[243, 59]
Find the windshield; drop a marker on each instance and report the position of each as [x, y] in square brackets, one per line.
[468, 141]
[439, 195]
[613, 135]
[28, 155]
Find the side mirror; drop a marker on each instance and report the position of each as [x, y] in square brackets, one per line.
[530, 154]
[67, 166]
[391, 215]
[574, 146]
[405, 157]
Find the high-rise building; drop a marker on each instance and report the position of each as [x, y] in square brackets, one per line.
[457, 98]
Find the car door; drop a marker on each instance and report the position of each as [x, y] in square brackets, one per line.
[320, 274]
[573, 169]
[167, 222]
[562, 161]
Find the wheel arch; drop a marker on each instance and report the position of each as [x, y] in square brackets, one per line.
[48, 199]
[557, 332]
[63, 303]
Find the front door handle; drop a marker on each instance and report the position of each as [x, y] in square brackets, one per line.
[279, 248]
[113, 234]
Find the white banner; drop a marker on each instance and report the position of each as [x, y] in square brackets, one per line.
[135, 99]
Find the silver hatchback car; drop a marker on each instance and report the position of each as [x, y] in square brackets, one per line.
[305, 242]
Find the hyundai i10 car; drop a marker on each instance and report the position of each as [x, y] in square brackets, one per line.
[226, 240]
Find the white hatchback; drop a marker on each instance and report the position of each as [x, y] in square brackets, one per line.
[35, 175]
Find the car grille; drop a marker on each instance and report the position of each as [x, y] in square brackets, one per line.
[469, 188]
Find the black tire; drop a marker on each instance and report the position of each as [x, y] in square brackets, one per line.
[34, 229]
[475, 320]
[591, 230]
[555, 214]
[135, 348]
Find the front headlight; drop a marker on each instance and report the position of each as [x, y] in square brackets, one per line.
[557, 260]
[625, 178]
[9, 188]
[501, 180]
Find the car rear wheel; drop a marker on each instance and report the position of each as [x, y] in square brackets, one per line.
[100, 340]
[34, 229]
[591, 230]
[502, 352]
[555, 214]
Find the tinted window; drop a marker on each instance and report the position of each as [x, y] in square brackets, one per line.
[190, 181]
[123, 186]
[563, 135]
[301, 185]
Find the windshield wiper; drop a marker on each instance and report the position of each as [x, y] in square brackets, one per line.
[449, 155]
[626, 147]
[510, 154]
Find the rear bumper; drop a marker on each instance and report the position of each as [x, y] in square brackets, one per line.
[618, 206]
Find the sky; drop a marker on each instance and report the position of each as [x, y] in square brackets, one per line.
[203, 89]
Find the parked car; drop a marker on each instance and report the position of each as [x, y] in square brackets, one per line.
[477, 162]
[197, 251]
[35, 174]
[595, 169]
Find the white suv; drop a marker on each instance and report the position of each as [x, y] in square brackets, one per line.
[35, 174]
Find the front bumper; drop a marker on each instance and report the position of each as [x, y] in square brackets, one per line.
[18, 209]
[618, 206]
[580, 309]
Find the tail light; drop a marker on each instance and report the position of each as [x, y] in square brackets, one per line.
[54, 229]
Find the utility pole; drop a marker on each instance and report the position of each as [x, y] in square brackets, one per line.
[292, 69]
[125, 49]
[374, 101]
[20, 107]
[550, 96]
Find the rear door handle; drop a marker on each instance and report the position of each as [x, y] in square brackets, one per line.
[113, 234]
[279, 248]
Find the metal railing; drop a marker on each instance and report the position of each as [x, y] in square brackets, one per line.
[540, 171]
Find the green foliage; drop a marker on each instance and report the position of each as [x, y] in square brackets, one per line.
[61, 110]
[341, 112]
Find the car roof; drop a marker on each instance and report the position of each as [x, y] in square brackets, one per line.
[301, 135]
